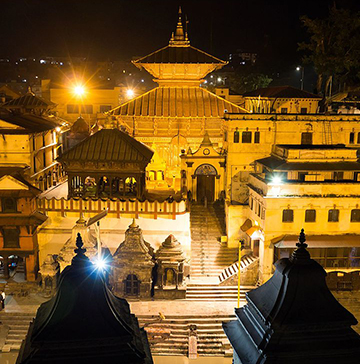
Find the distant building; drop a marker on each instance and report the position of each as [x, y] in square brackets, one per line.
[281, 100]
[19, 222]
[30, 139]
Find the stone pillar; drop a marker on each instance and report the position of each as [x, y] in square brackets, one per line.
[30, 268]
[266, 252]
[6, 267]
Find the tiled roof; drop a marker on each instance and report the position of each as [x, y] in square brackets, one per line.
[286, 92]
[27, 123]
[28, 101]
[109, 145]
[177, 102]
[277, 164]
[186, 54]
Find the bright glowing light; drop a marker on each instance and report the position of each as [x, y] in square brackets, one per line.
[205, 81]
[58, 129]
[219, 79]
[130, 93]
[276, 180]
[100, 264]
[79, 90]
[297, 68]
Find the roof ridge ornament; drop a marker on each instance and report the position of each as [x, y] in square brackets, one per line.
[179, 38]
[301, 255]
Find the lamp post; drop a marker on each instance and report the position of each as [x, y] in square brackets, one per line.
[241, 246]
[301, 69]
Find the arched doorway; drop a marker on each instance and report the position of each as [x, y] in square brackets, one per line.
[132, 285]
[170, 279]
[205, 182]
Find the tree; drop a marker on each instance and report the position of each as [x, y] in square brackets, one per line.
[334, 48]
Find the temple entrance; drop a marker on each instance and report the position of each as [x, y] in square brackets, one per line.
[170, 279]
[205, 183]
[12, 266]
[132, 285]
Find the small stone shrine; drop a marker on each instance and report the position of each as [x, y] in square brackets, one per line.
[132, 265]
[171, 270]
[84, 323]
[294, 318]
[67, 251]
[49, 272]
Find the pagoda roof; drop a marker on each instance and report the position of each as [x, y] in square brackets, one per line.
[286, 92]
[84, 322]
[109, 145]
[29, 100]
[27, 123]
[185, 54]
[177, 101]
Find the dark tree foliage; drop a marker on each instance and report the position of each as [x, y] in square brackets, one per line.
[334, 48]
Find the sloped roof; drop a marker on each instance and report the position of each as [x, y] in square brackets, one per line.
[28, 123]
[177, 102]
[28, 101]
[109, 145]
[286, 92]
[186, 54]
[277, 164]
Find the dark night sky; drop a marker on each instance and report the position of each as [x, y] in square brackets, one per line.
[118, 29]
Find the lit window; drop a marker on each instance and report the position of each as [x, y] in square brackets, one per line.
[236, 136]
[333, 215]
[288, 215]
[246, 137]
[352, 138]
[306, 138]
[310, 215]
[8, 205]
[355, 215]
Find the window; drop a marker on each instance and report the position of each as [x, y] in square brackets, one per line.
[338, 176]
[225, 136]
[132, 285]
[310, 215]
[251, 203]
[86, 109]
[34, 161]
[72, 109]
[355, 215]
[8, 204]
[11, 237]
[333, 215]
[236, 136]
[44, 159]
[303, 110]
[358, 138]
[246, 137]
[257, 137]
[105, 108]
[352, 138]
[288, 215]
[306, 138]
[284, 110]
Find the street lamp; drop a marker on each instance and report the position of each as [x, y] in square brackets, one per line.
[130, 93]
[301, 69]
[79, 90]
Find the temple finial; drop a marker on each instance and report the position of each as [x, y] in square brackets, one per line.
[179, 38]
[79, 243]
[301, 255]
[133, 224]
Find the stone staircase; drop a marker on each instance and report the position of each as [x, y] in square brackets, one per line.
[18, 324]
[214, 292]
[211, 339]
[208, 257]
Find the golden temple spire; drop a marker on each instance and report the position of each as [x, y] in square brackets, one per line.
[180, 39]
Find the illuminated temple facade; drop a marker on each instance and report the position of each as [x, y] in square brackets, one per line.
[174, 116]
